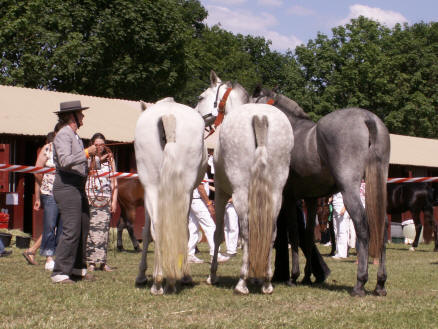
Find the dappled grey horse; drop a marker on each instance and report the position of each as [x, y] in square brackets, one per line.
[251, 162]
[331, 156]
[171, 161]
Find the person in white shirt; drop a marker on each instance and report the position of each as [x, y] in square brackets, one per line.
[200, 215]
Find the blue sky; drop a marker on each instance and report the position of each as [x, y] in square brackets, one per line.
[288, 23]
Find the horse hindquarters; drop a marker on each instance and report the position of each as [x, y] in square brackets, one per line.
[172, 209]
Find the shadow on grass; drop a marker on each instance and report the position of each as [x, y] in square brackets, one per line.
[179, 285]
[434, 263]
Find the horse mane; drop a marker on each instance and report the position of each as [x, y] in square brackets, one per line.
[290, 106]
[238, 87]
[284, 103]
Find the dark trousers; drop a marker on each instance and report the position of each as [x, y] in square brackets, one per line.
[69, 193]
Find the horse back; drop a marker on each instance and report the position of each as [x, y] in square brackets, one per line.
[237, 143]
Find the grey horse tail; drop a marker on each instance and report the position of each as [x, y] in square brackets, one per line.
[375, 192]
[260, 212]
[172, 210]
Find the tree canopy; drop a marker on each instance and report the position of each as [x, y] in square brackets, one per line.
[152, 49]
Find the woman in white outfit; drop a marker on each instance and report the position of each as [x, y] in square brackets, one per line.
[344, 228]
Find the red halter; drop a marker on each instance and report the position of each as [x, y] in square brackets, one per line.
[271, 101]
[221, 109]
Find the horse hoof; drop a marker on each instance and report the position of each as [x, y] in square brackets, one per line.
[170, 290]
[357, 293]
[241, 291]
[241, 288]
[212, 280]
[291, 283]
[137, 249]
[379, 292]
[411, 249]
[141, 282]
[155, 291]
[267, 290]
[306, 282]
[187, 280]
[120, 248]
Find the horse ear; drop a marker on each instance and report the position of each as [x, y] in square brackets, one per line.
[143, 105]
[257, 91]
[214, 79]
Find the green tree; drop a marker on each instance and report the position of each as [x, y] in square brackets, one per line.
[122, 48]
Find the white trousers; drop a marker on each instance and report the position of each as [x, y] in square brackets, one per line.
[344, 233]
[200, 216]
[231, 228]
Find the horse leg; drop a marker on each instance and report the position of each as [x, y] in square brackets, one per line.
[151, 204]
[120, 227]
[130, 219]
[435, 232]
[332, 238]
[281, 270]
[428, 217]
[418, 227]
[220, 201]
[357, 213]
[381, 273]
[267, 287]
[141, 277]
[240, 201]
[311, 204]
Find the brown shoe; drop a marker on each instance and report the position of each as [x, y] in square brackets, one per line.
[86, 277]
[106, 268]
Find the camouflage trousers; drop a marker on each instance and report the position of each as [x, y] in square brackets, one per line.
[98, 235]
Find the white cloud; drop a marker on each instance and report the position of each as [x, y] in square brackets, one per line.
[275, 3]
[387, 17]
[282, 42]
[300, 11]
[244, 22]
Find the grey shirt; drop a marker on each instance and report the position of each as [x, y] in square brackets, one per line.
[68, 152]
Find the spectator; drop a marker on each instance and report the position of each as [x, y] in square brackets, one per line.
[52, 226]
[201, 213]
[344, 228]
[231, 229]
[70, 160]
[102, 197]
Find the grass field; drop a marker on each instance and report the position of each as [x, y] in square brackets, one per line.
[28, 299]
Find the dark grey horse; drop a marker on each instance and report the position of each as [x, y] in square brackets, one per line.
[331, 156]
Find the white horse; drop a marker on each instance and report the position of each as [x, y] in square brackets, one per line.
[251, 163]
[171, 162]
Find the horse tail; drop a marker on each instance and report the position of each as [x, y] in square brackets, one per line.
[260, 212]
[375, 193]
[172, 207]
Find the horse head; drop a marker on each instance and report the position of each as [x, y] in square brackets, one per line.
[267, 96]
[263, 96]
[219, 98]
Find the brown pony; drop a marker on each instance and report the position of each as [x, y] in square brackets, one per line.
[130, 196]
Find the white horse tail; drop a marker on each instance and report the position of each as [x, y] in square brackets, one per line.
[260, 212]
[375, 192]
[172, 207]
